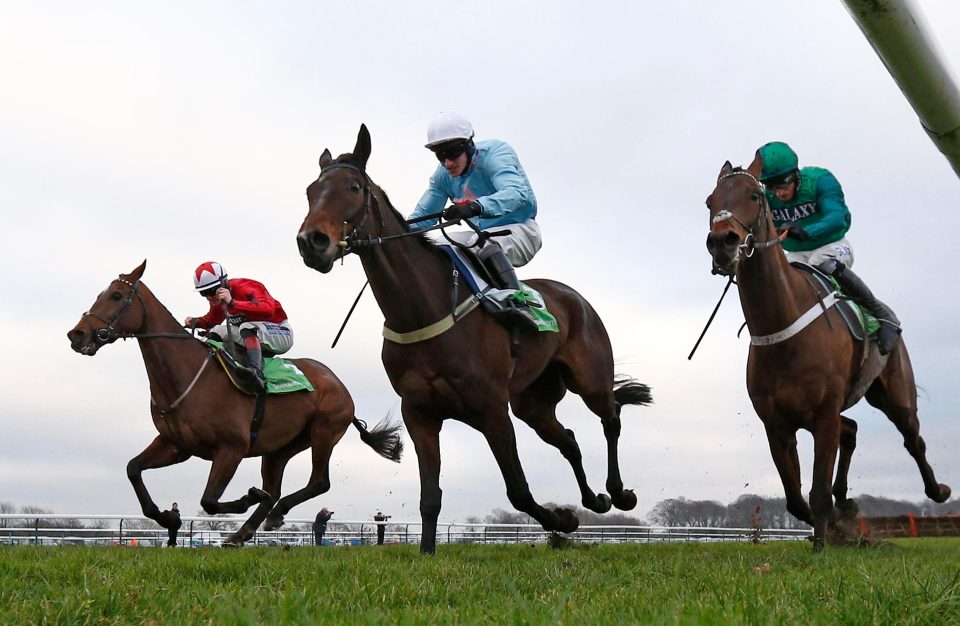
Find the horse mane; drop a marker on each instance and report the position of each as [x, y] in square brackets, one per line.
[348, 157]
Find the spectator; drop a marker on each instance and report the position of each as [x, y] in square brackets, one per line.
[320, 525]
[381, 519]
[173, 516]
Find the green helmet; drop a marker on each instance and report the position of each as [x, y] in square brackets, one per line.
[779, 159]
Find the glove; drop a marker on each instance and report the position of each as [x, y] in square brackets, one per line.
[456, 212]
[798, 233]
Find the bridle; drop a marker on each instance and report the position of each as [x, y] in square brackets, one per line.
[750, 243]
[109, 334]
[353, 240]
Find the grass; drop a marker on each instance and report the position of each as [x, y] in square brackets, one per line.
[913, 581]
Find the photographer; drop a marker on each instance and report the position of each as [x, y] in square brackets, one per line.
[381, 519]
[320, 525]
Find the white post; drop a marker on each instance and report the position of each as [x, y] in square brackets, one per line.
[898, 32]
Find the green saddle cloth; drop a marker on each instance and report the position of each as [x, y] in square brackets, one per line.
[282, 375]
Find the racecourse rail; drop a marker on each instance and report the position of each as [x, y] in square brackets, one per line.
[129, 530]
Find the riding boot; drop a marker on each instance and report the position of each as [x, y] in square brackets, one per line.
[254, 359]
[853, 286]
[514, 313]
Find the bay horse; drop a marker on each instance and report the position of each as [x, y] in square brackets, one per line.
[198, 412]
[805, 380]
[467, 373]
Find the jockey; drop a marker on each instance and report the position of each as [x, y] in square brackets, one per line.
[250, 307]
[487, 186]
[809, 204]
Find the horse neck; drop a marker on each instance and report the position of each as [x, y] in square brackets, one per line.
[410, 282]
[170, 363]
[772, 293]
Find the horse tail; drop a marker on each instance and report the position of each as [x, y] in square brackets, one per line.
[384, 438]
[627, 390]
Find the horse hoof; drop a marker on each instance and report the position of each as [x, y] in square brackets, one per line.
[847, 509]
[567, 521]
[818, 545]
[600, 504]
[272, 523]
[626, 500]
[258, 495]
[226, 543]
[941, 495]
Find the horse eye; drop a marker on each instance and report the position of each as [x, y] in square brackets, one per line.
[116, 296]
[354, 186]
[754, 196]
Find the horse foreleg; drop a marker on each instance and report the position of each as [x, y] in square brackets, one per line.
[540, 415]
[895, 394]
[424, 431]
[503, 443]
[848, 443]
[160, 453]
[783, 449]
[826, 443]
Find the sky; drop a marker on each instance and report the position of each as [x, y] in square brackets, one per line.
[188, 132]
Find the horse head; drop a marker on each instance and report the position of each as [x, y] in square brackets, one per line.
[339, 203]
[112, 315]
[739, 214]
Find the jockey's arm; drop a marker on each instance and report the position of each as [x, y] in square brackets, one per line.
[512, 187]
[834, 214]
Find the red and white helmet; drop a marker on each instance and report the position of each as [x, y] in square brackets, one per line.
[448, 126]
[208, 275]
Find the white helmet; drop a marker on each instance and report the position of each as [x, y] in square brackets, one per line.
[448, 126]
[208, 275]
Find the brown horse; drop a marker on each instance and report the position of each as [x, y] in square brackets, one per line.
[805, 380]
[198, 411]
[467, 373]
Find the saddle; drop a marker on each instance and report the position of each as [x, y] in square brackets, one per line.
[494, 297]
[861, 326]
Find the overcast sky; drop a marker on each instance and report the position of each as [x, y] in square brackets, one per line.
[187, 132]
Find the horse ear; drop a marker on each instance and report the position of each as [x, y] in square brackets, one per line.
[137, 274]
[361, 152]
[325, 158]
[726, 169]
[757, 166]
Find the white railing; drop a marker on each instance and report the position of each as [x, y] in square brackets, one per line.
[63, 529]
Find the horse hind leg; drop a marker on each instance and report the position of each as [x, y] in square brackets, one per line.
[606, 404]
[846, 507]
[536, 406]
[323, 438]
[895, 393]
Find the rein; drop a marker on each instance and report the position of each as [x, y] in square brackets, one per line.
[354, 241]
[110, 334]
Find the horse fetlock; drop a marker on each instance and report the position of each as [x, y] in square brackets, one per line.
[565, 521]
[258, 495]
[599, 503]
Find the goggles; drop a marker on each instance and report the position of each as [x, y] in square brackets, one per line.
[451, 152]
[780, 183]
[206, 293]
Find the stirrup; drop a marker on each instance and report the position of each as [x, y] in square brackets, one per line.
[512, 315]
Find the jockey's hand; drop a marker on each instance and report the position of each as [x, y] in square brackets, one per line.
[798, 233]
[456, 212]
[223, 296]
[189, 322]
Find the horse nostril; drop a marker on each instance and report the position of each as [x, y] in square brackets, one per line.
[75, 335]
[731, 240]
[711, 243]
[312, 242]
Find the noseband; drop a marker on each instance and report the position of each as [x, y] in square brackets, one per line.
[110, 334]
[750, 243]
[353, 239]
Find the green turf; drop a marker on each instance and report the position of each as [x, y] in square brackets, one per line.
[904, 582]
